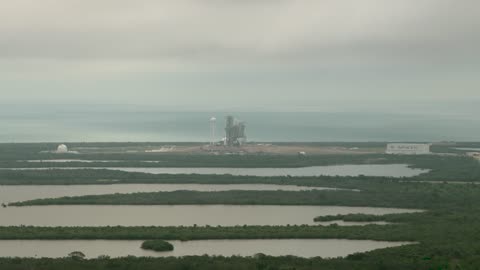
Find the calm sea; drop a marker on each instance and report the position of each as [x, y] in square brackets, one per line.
[104, 123]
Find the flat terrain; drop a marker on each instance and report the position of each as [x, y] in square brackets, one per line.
[251, 148]
[293, 149]
[445, 235]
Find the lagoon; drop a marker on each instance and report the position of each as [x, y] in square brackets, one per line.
[18, 193]
[177, 215]
[381, 170]
[327, 248]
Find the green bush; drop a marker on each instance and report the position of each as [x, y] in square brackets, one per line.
[157, 245]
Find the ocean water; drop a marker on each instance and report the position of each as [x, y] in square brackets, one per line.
[115, 123]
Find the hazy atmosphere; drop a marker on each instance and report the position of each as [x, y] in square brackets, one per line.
[239, 134]
[219, 55]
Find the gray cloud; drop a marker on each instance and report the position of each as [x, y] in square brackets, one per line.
[189, 28]
[332, 49]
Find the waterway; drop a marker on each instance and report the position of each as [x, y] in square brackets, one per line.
[15, 193]
[326, 248]
[387, 170]
[177, 215]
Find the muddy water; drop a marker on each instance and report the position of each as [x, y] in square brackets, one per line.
[387, 170]
[23, 193]
[176, 215]
[116, 248]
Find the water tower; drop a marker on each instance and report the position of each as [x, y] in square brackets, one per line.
[213, 126]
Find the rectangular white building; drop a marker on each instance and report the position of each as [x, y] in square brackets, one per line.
[408, 148]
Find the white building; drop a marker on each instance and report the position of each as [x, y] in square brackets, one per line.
[62, 149]
[408, 148]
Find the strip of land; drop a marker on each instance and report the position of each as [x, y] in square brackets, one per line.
[376, 194]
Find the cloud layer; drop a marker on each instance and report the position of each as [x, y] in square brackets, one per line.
[330, 49]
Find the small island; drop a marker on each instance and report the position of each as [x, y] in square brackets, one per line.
[157, 245]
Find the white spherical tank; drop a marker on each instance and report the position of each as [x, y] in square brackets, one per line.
[62, 149]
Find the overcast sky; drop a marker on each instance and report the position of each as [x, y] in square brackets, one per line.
[240, 55]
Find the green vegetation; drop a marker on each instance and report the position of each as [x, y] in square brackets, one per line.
[109, 177]
[157, 245]
[393, 232]
[379, 194]
[447, 234]
[231, 161]
[361, 218]
[442, 168]
[131, 150]
[76, 255]
[448, 237]
[453, 148]
[376, 260]
[12, 159]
